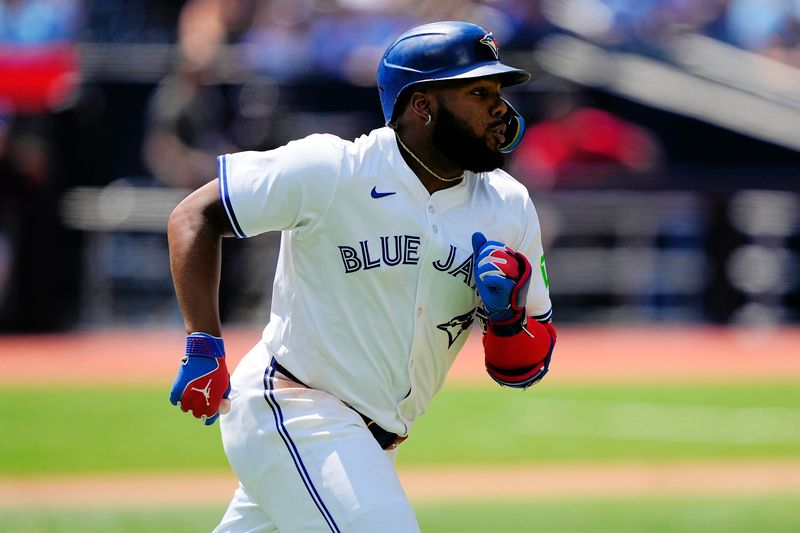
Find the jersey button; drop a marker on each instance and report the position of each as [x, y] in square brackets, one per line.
[431, 209]
[419, 311]
[435, 228]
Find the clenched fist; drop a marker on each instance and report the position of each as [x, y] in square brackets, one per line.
[502, 276]
[202, 385]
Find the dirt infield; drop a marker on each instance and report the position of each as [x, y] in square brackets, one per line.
[582, 354]
[598, 355]
[442, 485]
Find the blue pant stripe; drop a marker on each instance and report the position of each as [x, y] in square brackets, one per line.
[269, 396]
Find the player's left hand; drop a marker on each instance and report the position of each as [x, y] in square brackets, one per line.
[502, 276]
[202, 385]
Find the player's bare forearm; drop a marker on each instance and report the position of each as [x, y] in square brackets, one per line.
[195, 232]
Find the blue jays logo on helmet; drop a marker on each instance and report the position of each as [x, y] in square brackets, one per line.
[446, 51]
[491, 42]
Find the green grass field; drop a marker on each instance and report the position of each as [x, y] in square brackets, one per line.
[732, 515]
[71, 431]
[82, 431]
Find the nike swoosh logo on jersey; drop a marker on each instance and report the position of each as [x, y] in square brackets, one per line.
[376, 194]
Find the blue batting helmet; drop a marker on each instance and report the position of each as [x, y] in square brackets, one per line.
[446, 51]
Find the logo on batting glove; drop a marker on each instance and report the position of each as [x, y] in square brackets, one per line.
[502, 276]
[202, 381]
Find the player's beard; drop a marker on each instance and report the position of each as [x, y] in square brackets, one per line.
[454, 138]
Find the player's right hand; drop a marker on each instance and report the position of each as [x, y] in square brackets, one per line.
[202, 385]
[502, 276]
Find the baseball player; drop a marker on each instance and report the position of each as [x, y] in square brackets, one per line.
[391, 245]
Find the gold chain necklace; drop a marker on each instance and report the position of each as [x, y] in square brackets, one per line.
[434, 174]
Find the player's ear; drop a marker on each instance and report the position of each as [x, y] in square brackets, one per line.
[420, 104]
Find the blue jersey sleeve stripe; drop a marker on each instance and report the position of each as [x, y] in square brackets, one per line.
[544, 317]
[225, 198]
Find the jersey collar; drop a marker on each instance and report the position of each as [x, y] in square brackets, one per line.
[445, 197]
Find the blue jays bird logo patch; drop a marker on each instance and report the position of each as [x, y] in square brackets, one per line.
[456, 326]
[491, 42]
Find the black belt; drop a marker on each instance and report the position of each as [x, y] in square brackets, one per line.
[386, 439]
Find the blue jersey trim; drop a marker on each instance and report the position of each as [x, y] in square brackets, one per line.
[544, 317]
[225, 198]
[269, 395]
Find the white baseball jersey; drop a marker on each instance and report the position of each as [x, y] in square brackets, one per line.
[374, 294]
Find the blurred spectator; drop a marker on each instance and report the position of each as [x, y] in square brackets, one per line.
[205, 25]
[575, 144]
[186, 124]
[186, 129]
[188, 114]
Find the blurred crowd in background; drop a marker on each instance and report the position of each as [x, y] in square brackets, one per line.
[328, 36]
[674, 198]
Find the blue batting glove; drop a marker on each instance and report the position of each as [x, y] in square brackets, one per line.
[502, 276]
[202, 381]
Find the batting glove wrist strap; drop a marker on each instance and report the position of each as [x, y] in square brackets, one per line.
[511, 326]
[204, 345]
[202, 381]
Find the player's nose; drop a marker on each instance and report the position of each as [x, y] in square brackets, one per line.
[499, 108]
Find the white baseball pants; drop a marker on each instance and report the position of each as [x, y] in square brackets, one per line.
[305, 461]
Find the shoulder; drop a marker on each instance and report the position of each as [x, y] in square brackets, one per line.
[510, 204]
[318, 148]
[375, 142]
[502, 187]
[313, 147]
[366, 151]
[312, 155]
[375, 139]
[329, 145]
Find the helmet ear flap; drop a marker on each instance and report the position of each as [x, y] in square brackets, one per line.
[515, 128]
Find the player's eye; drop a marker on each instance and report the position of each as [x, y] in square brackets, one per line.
[485, 92]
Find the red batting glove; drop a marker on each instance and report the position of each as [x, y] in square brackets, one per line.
[202, 381]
